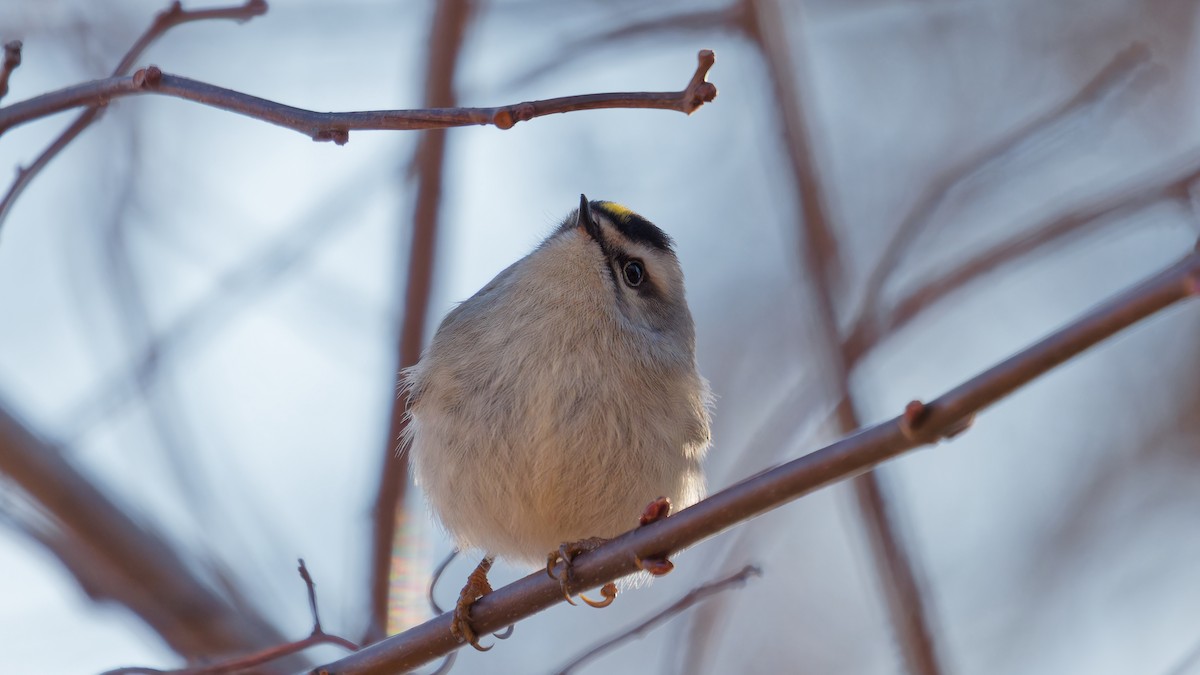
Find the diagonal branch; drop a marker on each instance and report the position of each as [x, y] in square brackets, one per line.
[336, 126]
[167, 19]
[1171, 184]
[1118, 74]
[920, 424]
[118, 558]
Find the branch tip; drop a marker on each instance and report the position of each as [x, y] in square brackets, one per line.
[699, 90]
[12, 59]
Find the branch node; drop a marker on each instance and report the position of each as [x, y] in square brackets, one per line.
[699, 91]
[147, 78]
[338, 136]
[1191, 282]
[916, 414]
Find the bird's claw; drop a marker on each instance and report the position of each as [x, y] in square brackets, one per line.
[477, 587]
[609, 591]
[567, 553]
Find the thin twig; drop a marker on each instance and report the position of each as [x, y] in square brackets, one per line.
[704, 22]
[259, 272]
[126, 561]
[12, 59]
[920, 424]
[173, 16]
[1169, 184]
[697, 595]
[1122, 70]
[273, 653]
[336, 126]
[437, 574]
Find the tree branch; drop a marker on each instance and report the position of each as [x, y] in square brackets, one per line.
[167, 19]
[241, 664]
[1118, 73]
[136, 566]
[336, 126]
[920, 424]
[1174, 184]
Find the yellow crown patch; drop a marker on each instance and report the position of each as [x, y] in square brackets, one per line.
[619, 210]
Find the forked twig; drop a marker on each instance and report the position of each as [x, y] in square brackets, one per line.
[317, 637]
[1118, 73]
[173, 16]
[336, 126]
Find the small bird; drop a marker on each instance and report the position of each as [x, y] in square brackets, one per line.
[562, 401]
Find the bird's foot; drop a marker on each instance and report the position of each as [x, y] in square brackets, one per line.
[477, 587]
[567, 553]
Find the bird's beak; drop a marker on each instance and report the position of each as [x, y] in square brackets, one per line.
[584, 220]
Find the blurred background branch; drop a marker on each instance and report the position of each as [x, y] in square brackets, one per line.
[204, 318]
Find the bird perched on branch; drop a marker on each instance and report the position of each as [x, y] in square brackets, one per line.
[563, 398]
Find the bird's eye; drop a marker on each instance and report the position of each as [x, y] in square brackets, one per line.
[634, 272]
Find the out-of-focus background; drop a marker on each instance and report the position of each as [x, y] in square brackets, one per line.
[199, 314]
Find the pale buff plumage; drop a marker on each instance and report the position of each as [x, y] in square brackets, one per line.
[558, 401]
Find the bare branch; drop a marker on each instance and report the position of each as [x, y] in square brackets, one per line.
[173, 16]
[336, 126]
[1173, 184]
[176, 15]
[12, 59]
[264, 656]
[696, 595]
[1124, 68]
[703, 21]
[138, 567]
[920, 424]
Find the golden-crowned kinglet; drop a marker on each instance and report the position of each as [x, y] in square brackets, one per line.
[563, 397]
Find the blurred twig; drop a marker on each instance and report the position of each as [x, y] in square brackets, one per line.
[576, 47]
[1188, 663]
[450, 21]
[1117, 74]
[920, 424]
[165, 20]
[1170, 184]
[118, 558]
[318, 636]
[336, 126]
[257, 273]
[12, 59]
[696, 595]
